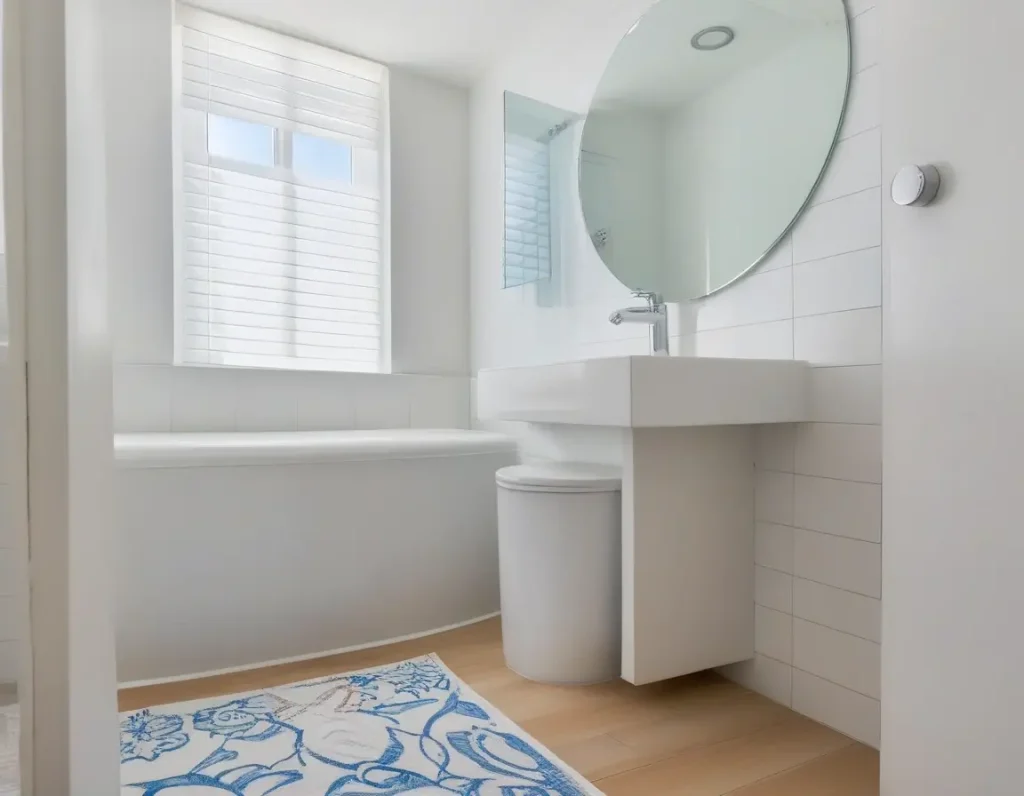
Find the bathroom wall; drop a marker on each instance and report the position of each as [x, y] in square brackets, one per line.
[817, 298]
[430, 335]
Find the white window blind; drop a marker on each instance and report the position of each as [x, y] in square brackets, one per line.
[527, 210]
[281, 201]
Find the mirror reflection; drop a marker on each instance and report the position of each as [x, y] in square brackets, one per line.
[539, 155]
[707, 136]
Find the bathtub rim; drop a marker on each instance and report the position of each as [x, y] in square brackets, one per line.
[161, 450]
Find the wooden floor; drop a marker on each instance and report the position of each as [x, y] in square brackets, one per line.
[696, 735]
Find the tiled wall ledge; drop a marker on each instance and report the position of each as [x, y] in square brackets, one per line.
[180, 398]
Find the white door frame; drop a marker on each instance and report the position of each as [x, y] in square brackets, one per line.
[55, 192]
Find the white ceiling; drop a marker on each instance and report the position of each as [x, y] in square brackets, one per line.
[452, 39]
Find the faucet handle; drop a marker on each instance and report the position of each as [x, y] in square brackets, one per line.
[652, 299]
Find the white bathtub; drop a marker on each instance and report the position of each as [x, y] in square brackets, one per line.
[237, 550]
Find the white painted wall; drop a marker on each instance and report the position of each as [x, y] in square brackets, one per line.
[818, 495]
[430, 172]
[954, 392]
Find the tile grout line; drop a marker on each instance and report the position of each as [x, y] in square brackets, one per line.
[825, 679]
[866, 129]
[789, 318]
[827, 477]
[847, 196]
[818, 260]
[828, 533]
[795, 615]
[851, 193]
[820, 583]
[838, 254]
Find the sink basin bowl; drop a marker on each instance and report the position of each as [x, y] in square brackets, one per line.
[647, 392]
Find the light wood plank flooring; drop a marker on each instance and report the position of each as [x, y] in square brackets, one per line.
[698, 735]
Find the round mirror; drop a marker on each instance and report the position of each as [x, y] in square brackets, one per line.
[708, 135]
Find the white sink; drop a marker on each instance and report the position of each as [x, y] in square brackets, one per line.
[647, 392]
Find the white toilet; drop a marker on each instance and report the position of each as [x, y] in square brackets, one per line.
[559, 531]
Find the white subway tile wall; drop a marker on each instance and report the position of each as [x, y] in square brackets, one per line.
[843, 610]
[765, 675]
[153, 398]
[863, 110]
[846, 710]
[757, 341]
[773, 497]
[850, 281]
[844, 563]
[846, 395]
[840, 338]
[835, 450]
[773, 589]
[817, 576]
[856, 166]
[773, 546]
[840, 658]
[773, 634]
[842, 508]
[760, 298]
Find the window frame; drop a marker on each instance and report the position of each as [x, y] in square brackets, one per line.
[282, 155]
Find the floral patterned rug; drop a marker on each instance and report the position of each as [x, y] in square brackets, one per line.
[406, 728]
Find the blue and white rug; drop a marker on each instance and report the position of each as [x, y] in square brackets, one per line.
[410, 727]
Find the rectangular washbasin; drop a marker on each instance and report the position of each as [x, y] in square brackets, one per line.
[647, 392]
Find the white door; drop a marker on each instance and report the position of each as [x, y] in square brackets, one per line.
[953, 545]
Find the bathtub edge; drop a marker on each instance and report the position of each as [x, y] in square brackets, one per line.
[180, 678]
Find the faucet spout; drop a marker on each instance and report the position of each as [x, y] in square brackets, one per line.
[655, 314]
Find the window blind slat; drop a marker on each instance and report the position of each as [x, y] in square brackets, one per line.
[300, 240]
[280, 348]
[215, 277]
[205, 259]
[230, 183]
[206, 245]
[225, 325]
[285, 298]
[222, 308]
[201, 67]
[314, 275]
[253, 109]
[277, 52]
[278, 267]
[527, 211]
[243, 215]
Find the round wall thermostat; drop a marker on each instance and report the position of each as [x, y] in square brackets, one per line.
[916, 186]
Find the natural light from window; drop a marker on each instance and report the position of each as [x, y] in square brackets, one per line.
[280, 202]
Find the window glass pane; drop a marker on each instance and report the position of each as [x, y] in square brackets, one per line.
[247, 142]
[321, 158]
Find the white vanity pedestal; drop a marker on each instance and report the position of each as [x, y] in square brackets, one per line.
[686, 448]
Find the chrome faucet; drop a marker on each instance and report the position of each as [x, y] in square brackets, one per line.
[655, 314]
